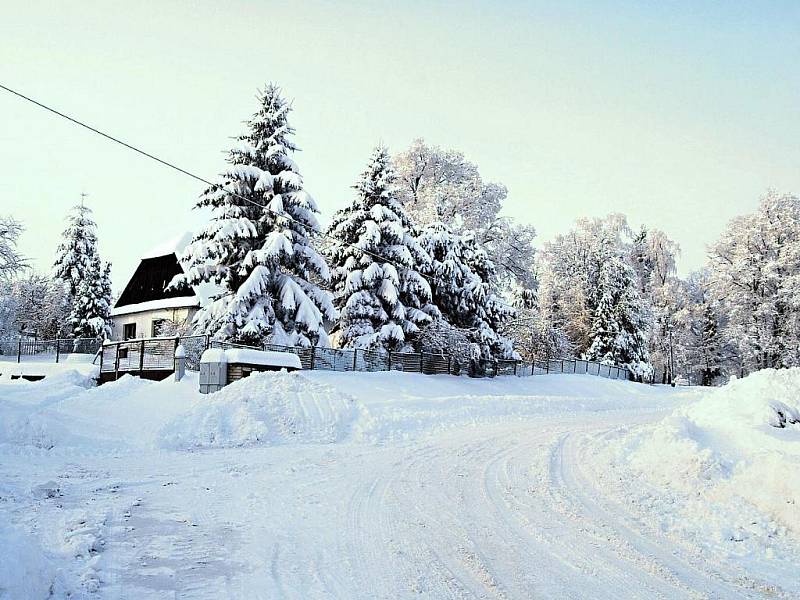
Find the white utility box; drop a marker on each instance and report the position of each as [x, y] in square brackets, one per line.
[213, 370]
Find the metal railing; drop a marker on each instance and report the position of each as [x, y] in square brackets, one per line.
[353, 359]
[59, 349]
[151, 354]
[157, 354]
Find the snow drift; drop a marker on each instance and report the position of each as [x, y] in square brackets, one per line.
[24, 419]
[264, 409]
[736, 450]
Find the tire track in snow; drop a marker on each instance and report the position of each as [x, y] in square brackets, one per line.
[463, 516]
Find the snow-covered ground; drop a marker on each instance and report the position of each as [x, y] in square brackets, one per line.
[393, 485]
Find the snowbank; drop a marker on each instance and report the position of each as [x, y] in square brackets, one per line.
[24, 408]
[66, 411]
[731, 459]
[45, 364]
[25, 570]
[405, 406]
[264, 409]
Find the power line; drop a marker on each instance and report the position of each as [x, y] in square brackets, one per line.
[175, 167]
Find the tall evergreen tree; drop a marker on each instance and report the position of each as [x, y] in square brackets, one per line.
[77, 248]
[709, 345]
[460, 273]
[259, 251]
[620, 320]
[91, 309]
[382, 303]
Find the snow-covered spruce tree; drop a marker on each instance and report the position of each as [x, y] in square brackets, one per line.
[91, 309]
[708, 346]
[259, 250]
[382, 303]
[620, 320]
[77, 249]
[460, 273]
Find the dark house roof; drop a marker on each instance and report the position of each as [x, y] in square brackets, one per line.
[150, 280]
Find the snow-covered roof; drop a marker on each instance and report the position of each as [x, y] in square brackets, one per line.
[246, 356]
[175, 246]
[149, 284]
[213, 355]
[162, 304]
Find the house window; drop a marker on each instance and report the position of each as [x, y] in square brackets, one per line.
[157, 324]
[129, 331]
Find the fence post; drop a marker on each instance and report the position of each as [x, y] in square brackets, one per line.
[547, 366]
[449, 360]
[141, 358]
[515, 367]
[390, 360]
[355, 356]
[116, 362]
[421, 356]
[313, 354]
[19, 350]
[58, 348]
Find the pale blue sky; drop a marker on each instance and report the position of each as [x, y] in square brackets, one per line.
[679, 114]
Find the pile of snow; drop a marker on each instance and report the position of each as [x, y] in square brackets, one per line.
[264, 409]
[730, 460]
[67, 411]
[45, 364]
[26, 572]
[406, 406]
[24, 419]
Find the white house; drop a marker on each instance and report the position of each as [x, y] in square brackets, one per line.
[145, 304]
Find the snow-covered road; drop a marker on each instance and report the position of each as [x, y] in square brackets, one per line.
[487, 505]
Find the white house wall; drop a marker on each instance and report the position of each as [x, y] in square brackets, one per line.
[144, 320]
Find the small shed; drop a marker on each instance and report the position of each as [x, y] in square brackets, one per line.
[220, 367]
[243, 361]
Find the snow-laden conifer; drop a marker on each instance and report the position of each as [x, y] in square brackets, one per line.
[382, 298]
[460, 273]
[77, 249]
[620, 320]
[91, 308]
[259, 252]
